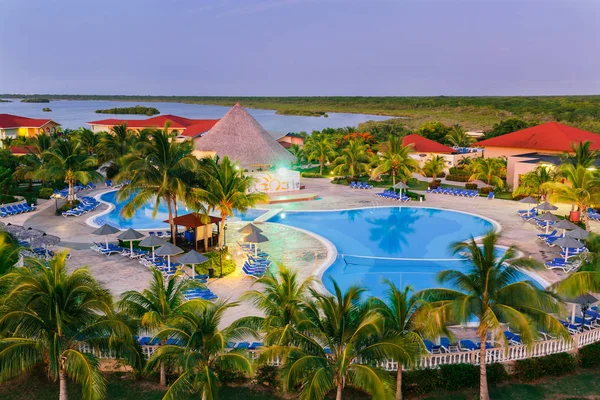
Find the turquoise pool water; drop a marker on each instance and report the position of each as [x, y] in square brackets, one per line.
[405, 245]
[143, 219]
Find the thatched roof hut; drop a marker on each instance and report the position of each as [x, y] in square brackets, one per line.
[240, 137]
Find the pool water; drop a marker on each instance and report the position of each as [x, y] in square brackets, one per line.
[143, 219]
[405, 245]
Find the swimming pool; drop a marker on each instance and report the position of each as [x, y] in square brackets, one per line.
[406, 245]
[143, 219]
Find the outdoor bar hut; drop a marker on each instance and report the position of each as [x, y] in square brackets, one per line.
[202, 226]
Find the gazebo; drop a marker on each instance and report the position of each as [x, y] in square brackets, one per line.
[202, 230]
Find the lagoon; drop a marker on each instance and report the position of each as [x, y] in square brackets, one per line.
[73, 114]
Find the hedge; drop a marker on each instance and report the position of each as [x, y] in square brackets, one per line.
[471, 186]
[486, 190]
[457, 178]
[458, 171]
[535, 368]
[310, 175]
[589, 356]
[45, 193]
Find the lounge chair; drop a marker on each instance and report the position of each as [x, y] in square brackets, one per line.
[467, 345]
[491, 196]
[512, 338]
[432, 348]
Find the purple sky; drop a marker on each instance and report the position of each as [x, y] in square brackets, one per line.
[300, 47]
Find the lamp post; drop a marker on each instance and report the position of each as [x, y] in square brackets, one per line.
[56, 197]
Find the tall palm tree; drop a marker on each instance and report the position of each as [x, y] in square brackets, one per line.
[201, 349]
[9, 253]
[582, 155]
[342, 324]
[533, 183]
[354, 159]
[89, 140]
[281, 298]
[490, 291]
[49, 316]
[488, 170]
[319, 147]
[395, 159]
[68, 161]
[434, 166]
[117, 144]
[226, 190]
[160, 172]
[297, 152]
[405, 322]
[582, 188]
[458, 137]
[156, 306]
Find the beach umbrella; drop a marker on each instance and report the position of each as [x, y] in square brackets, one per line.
[30, 233]
[106, 230]
[545, 206]
[129, 236]
[548, 217]
[46, 240]
[401, 186]
[152, 241]
[248, 229]
[566, 243]
[581, 299]
[565, 225]
[578, 233]
[192, 258]
[15, 230]
[255, 238]
[528, 200]
[168, 249]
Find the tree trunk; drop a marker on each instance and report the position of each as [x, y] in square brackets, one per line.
[222, 230]
[171, 223]
[393, 179]
[71, 195]
[62, 394]
[175, 213]
[483, 385]
[321, 168]
[338, 395]
[163, 375]
[399, 382]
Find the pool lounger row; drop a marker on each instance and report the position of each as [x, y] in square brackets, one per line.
[456, 192]
[86, 205]
[390, 194]
[7, 211]
[360, 185]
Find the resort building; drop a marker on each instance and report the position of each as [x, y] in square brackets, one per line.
[185, 128]
[538, 145]
[424, 149]
[291, 139]
[13, 126]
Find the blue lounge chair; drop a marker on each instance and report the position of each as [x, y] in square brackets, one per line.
[467, 345]
[243, 345]
[491, 196]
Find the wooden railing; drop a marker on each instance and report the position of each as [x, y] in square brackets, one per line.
[493, 355]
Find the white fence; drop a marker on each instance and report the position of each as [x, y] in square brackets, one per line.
[493, 355]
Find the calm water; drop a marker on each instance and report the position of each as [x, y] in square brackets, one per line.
[74, 114]
[143, 219]
[407, 246]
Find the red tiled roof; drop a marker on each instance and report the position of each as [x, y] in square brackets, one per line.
[423, 145]
[193, 220]
[15, 121]
[549, 136]
[201, 126]
[22, 150]
[157, 122]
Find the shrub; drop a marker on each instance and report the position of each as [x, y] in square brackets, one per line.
[471, 186]
[486, 190]
[45, 193]
[459, 376]
[413, 195]
[457, 171]
[589, 356]
[111, 171]
[420, 381]
[30, 198]
[554, 364]
[310, 175]
[457, 178]
[266, 375]
[496, 373]
[440, 175]
[6, 198]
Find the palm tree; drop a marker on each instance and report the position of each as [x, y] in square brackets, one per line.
[68, 161]
[157, 305]
[226, 190]
[117, 144]
[582, 155]
[160, 172]
[49, 316]
[532, 183]
[89, 140]
[405, 321]
[354, 160]
[582, 188]
[458, 137]
[488, 170]
[395, 159]
[318, 147]
[297, 152]
[342, 324]
[201, 349]
[281, 298]
[489, 291]
[434, 166]
[9, 253]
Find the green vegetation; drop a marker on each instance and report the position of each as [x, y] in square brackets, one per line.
[395, 160]
[305, 113]
[35, 100]
[46, 109]
[5, 101]
[139, 110]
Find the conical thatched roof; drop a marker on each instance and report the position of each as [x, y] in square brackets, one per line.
[240, 137]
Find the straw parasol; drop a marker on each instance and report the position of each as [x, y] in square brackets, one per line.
[248, 229]
[545, 206]
[581, 299]
[240, 137]
[565, 225]
[106, 230]
[528, 200]
[45, 240]
[168, 249]
[578, 233]
[548, 217]
[14, 230]
[129, 236]
[30, 233]
[152, 241]
[567, 243]
[192, 258]
[255, 238]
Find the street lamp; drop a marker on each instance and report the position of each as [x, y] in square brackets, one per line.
[56, 197]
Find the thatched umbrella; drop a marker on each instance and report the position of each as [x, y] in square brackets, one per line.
[567, 243]
[129, 236]
[578, 233]
[168, 249]
[565, 225]
[45, 240]
[248, 229]
[192, 258]
[14, 230]
[585, 298]
[548, 217]
[528, 200]
[255, 238]
[30, 233]
[152, 241]
[545, 206]
[106, 230]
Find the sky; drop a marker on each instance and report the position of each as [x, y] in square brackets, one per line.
[300, 47]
